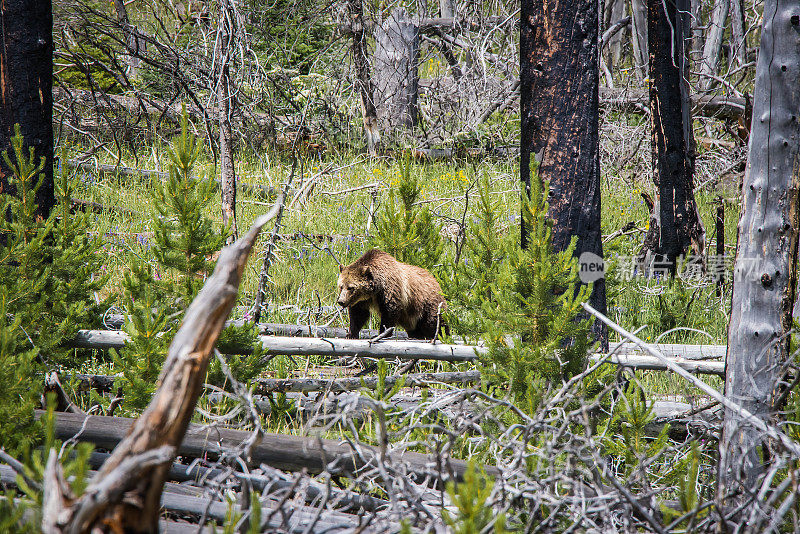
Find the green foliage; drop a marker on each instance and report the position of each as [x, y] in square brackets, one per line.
[157, 296]
[20, 386]
[470, 498]
[625, 431]
[289, 32]
[472, 284]
[531, 312]
[20, 514]
[688, 487]
[404, 230]
[48, 274]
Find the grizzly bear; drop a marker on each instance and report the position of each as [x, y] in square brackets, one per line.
[401, 294]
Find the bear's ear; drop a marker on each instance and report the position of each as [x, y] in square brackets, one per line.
[367, 272]
[341, 268]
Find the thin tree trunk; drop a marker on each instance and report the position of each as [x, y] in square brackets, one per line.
[675, 224]
[365, 86]
[131, 39]
[227, 169]
[713, 44]
[765, 272]
[639, 37]
[696, 50]
[738, 28]
[613, 11]
[559, 91]
[26, 88]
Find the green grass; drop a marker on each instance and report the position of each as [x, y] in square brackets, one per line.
[305, 275]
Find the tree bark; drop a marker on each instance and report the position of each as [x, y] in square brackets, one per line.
[559, 93]
[396, 62]
[738, 29]
[364, 80]
[131, 40]
[709, 65]
[765, 273]
[639, 37]
[26, 88]
[675, 223]
[227, 169]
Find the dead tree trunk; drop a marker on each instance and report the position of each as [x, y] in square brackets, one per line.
[125, 495]
[639, 36]
[365, 86]
[765, 271]
[131, 39]
[738, 30]
[559, 92]
[26, 88]
[613, 10]
[675, 223]
[227, 169]
[397, 77]
[709, 66]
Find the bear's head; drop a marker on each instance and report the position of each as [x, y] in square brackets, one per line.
[355, 285]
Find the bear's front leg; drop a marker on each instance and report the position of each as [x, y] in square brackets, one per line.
[390, 315]
[359, 315]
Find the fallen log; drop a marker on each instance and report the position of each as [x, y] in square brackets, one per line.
[260, 482]
[651, 363]
[690, 357]
[339, 385]
[192, 500]
[290, 453]
[636, 100]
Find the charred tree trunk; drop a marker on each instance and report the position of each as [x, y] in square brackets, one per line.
[227, 169]
[765, 271]
[26, 88]
[639, 36]
[396, 62]
[709, 66]
[675, 223]
[560, 122]
[365, 86]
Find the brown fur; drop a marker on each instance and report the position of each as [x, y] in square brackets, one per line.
[402, 294]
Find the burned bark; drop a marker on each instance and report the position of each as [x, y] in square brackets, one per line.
[675, 224]
[366, 88]
[765, 272]
[560, 122]
[26, 89]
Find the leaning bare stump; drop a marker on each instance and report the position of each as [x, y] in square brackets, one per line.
[126, 493]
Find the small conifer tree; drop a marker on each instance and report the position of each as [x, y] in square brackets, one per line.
[404, 230]
[184, 243]
[471, 284]
[49, 273]
[532, 312]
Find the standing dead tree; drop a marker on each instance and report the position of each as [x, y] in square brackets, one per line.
[365, 86]
[224, 48]
[675, 223]
[26, 89]
[766, 263]
[560, 122]
[125, 495]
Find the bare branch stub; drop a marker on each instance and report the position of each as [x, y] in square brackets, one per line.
[165, 420]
